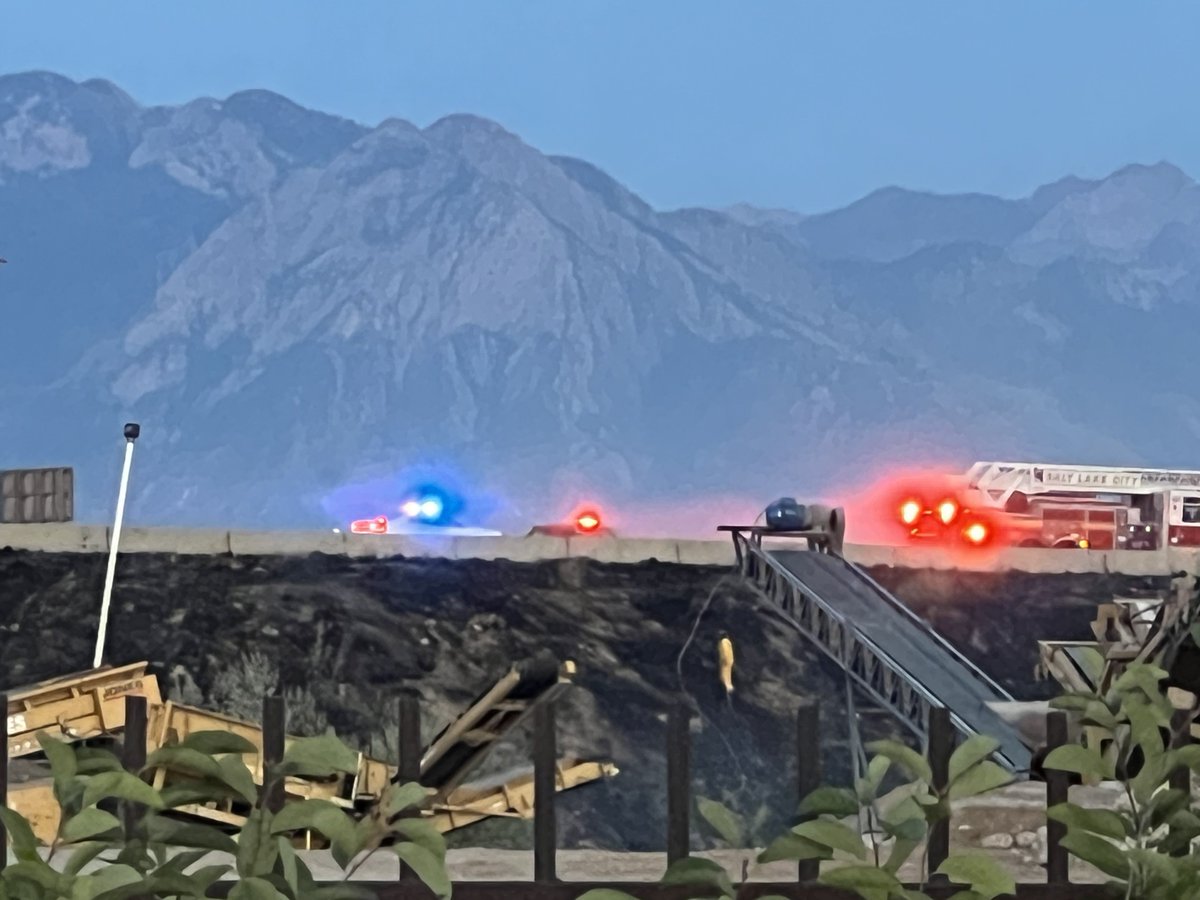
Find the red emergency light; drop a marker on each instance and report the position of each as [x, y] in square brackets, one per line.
[378, 525]
[587, 522]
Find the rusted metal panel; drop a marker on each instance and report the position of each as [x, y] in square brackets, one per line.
[37, 496]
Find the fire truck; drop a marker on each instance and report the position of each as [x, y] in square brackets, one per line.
[1096, 507]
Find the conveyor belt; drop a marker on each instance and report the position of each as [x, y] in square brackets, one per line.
[892, 655]
[910, 644]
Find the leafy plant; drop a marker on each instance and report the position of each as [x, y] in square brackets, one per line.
[149, 855]
[1133, 844]
[896, 824]
[895, 827]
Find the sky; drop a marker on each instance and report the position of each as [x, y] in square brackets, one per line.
[778, 103]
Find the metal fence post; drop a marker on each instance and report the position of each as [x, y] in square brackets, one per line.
[545, 825]
[941, 746]
[1181, 778]
[409, 743]
[679, 781]
[808, 770]
[133, 755]
[274, 718]
[1058, 788]
[4, 786]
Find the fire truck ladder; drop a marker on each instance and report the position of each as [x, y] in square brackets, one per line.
[890, 654]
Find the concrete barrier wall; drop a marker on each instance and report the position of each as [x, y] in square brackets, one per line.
[71, 538]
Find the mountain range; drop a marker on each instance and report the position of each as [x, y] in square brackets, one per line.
[308, 315]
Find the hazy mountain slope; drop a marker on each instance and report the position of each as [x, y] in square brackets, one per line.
[290, 302]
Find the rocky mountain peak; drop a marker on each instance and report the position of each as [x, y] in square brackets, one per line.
[292, 303]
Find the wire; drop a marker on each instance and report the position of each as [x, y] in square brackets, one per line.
[737, 760]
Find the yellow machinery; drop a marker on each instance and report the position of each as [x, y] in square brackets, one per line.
[90, 706]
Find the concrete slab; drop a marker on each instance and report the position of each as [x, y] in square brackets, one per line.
[410, 546]
[531, 548]
[189, 541]
[55, 538]
[286, 543]
[706, 553]
[619, 550]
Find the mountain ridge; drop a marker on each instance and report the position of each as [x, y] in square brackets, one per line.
[293, 304]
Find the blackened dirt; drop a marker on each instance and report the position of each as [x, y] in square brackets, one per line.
[344, 636]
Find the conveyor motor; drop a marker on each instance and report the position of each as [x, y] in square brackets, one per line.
[785, 514]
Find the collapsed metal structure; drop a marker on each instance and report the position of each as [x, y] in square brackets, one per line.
[90, 706]
[1129, 630]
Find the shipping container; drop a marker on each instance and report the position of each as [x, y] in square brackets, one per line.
[37, 496]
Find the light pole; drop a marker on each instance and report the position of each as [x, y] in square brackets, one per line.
[132, 431]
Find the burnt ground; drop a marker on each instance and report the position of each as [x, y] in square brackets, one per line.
[344, 636]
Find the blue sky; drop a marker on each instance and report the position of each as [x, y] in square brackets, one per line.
[792, 104]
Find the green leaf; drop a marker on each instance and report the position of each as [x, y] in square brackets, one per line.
[123, 786]
[255, 888]
[340, 891]
[288, 863]
[89, 823]
[979, 779]
[184, 761]
[196, 835]
[318, 757]
[1096, 851]
[179, 862]
[427, 866]
[704, 878]
[859, 878]
[1164, 806]
[183, 791]
[24, 843]
[1140, 677]
[217, 743]
[40, 874]
[906, 758]
[257, 852]
[792, 846]
[722, 821]
[1082, 760]
[1144, 725]
[1097, 821]
[834, 835]
[106, 880]
[973, 750]
[81, 855]
[90, 760]
[398, 798]
[423, 834]
[235, 774]
[321, 816]
[831, 801]
[1096, 713]
[867, 789]
[983, 874]
[1154, 773]
[62, 758]
[909, 828]
[902, 849]
[206, 876]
